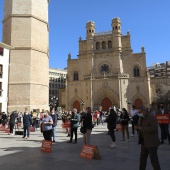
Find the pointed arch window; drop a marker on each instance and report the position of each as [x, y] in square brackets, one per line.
[103, 45]
[75, 76]
[136, 71]
[97, 46]
[109, 44]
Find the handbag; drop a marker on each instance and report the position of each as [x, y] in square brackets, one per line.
[82, 130]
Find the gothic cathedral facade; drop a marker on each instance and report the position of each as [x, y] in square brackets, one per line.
[107, 72]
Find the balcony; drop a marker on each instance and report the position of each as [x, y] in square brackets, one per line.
[106, 76]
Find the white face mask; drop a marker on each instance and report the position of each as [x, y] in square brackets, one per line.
[52, 113]
[45, 114]
[140, 115]
[26, 113]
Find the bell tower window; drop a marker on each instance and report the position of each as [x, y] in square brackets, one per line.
[75, 76]
[136, 71]
[97, 46]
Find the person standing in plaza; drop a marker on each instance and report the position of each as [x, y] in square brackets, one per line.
[124, 120]
[27, 121]
[87, 124]
[148, 138]
[164, 127]
[74, 123]
[54, 117]
[134, 119]
[12, 119]
[111, 122]
[47, 123]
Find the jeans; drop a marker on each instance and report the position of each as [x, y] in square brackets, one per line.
[75, 132]
[86, 137]
[27, 128]
[54, 133]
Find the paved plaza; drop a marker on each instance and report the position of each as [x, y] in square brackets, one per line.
[25, 154]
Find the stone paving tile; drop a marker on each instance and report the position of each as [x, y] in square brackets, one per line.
[21, 154]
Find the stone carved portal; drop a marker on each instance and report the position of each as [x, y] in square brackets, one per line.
[138, 102]
[106, 104]
[76, 105]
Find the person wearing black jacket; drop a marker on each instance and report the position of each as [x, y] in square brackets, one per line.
[124, 120]
[87, 124]
[111, 122]
[27, 121]
[13, 117]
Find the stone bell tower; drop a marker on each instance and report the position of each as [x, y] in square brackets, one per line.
[25, 28]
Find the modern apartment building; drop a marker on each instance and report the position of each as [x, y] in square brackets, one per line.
[57, 79]
[159, 70]
[4, 72]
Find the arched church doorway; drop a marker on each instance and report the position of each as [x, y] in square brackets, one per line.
[76, 105]
[138, 102]
[106, 103]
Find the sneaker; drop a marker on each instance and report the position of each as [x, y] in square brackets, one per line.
[9, 134]
[128, 140]
[122, 139]
[113, 145]
[23, 137]
[69, 141]
[132, 135]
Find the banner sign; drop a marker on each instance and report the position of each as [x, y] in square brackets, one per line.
[162, 118]
[87, 152]
[46, 146]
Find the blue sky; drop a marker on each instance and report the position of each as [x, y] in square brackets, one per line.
[147, 20]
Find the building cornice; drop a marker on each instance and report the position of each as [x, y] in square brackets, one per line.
[6, 46]
[29, 48]
[24, 16]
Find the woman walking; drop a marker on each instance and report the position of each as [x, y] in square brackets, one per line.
[111, 121]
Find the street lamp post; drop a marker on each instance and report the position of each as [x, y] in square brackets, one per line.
[53, 102]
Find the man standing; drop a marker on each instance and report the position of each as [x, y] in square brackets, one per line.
[54, 117]
[164, 127]
[13, 117]
[134, 118]
[27, 121]
[74, 123]
[148, 138]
